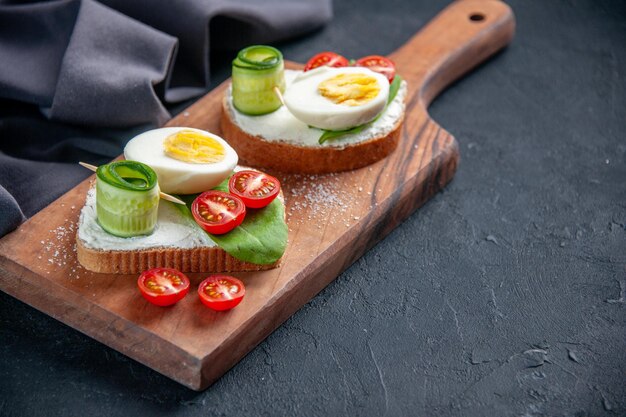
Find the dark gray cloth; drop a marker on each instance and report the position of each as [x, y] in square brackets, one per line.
[12, 216]
[114, 64]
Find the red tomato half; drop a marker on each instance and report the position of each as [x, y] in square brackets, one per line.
[379, 64]
[330, 59]
[221, 292]
[218, 212]
[255, 188]
[163, 286]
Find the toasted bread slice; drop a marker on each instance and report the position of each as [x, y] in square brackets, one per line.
[294, 155]
[286, 157]
[203, 259]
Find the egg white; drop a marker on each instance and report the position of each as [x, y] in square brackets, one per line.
[304, 101]
[174, 176]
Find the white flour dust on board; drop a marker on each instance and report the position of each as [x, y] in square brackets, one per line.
[59, 247]
[322, 198]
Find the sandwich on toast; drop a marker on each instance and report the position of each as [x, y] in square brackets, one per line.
[232, 220]
[329, 117]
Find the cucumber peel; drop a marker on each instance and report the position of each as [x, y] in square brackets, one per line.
[259, 57]
[256, 72]
[127, 198]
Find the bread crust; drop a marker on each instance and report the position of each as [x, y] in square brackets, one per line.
[204, 259]
[290, 158]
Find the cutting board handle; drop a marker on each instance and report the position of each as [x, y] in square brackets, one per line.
[460, 37]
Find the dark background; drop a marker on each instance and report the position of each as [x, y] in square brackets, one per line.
[502, 296]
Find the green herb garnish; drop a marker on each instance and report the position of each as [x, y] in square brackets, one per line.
[393, 88]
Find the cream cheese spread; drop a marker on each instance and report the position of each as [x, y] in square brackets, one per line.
[173, 230]
[282, 126]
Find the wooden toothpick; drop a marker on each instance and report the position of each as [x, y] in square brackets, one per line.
[279, 94]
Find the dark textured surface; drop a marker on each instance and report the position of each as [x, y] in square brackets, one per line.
[502, 296]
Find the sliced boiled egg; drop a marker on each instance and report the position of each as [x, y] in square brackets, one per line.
[186, 160]
[337, 98]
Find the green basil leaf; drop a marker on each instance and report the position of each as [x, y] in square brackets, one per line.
[334, 134]
[393, 88]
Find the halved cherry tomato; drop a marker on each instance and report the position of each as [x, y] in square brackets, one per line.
[218, 212]
[378, 64]
[255, 188]
[163, 286]
[330, 59]
[221, 292]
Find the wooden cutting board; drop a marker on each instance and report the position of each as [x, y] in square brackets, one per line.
[333, 220]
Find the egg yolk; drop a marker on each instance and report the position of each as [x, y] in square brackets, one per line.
[194, 147]
[349, 89]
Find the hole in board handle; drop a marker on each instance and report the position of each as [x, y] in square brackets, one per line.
[477, 17]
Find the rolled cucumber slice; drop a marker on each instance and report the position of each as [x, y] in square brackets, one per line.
[257, 70]
[127, 198]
